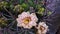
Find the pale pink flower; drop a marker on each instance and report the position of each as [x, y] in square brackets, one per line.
[27, 20]
[42, 28]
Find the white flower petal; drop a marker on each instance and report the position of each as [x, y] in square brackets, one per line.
[21, 20]
[44, 25]
[24, 14]
[33, 17]
[32, 23]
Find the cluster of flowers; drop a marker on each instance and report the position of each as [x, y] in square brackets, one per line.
[28, 20]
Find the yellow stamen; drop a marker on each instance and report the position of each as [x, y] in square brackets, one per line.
[26, 20]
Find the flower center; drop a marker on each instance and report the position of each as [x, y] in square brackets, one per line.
[26, 20]
[42, 28]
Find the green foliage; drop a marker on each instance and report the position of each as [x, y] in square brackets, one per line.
[25, 6]
[49, 13]
[3, 4]
[18, 8]
[41, 10]
[21, 1]
[3, 22]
